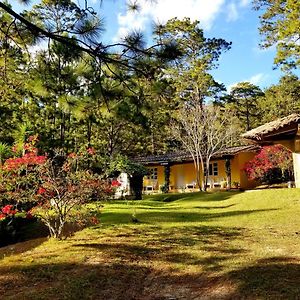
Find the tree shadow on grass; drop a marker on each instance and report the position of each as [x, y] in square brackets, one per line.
[198, 196]
[83, 281]
[173, 216]
[272, 278]
[126, 280]
[124, 269]
[31, 236]
[141, 264]
[172, 246]
[26, 238]
[21, 247]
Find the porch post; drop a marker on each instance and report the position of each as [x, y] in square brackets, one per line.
[167, 169]
[228, 172]
[296, 160]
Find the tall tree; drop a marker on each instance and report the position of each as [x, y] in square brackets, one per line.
[198, 55]
[279, 26]
[13, 67]
[281, 99]
[243, 100]
[83, 34]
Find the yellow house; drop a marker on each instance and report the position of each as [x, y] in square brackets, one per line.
[284, 131]
[226, 166]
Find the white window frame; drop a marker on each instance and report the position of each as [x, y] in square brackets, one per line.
[153, 174]
[213, 169]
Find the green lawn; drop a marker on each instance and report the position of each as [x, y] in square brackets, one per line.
[186, 246]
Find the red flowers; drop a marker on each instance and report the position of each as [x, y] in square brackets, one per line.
[72, 155]
[27, 159]
[29, 215]
[7, 211]
[115, 183]
[269, 158]
[91, 151]
[41, 191]
[94, 220]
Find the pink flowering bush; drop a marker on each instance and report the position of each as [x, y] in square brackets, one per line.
[273, 164]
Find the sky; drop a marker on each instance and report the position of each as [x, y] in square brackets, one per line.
[232, 20]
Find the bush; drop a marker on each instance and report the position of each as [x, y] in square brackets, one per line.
[273, 164]
[51, 189]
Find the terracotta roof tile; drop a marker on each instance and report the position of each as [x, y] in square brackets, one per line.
[259, 132]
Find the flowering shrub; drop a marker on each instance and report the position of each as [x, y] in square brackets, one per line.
[53, 190]
[28, 159]
[7, 211]
[64, 190]
[18, 175]
[273, 164]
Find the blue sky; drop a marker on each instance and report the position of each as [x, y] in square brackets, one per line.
[233, 20]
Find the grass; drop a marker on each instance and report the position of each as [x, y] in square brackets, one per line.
[225, 245]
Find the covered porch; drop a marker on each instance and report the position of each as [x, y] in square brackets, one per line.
[175, 172]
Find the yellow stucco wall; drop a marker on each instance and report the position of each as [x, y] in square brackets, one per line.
[242, 159]
[184, 174]
[289, 144]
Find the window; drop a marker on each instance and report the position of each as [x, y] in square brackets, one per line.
[152, 173]
[213, 169]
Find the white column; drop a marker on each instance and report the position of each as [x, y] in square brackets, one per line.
[296, 163]
[296, 159]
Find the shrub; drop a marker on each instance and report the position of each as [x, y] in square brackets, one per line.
[52, 189]
[273, 164]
